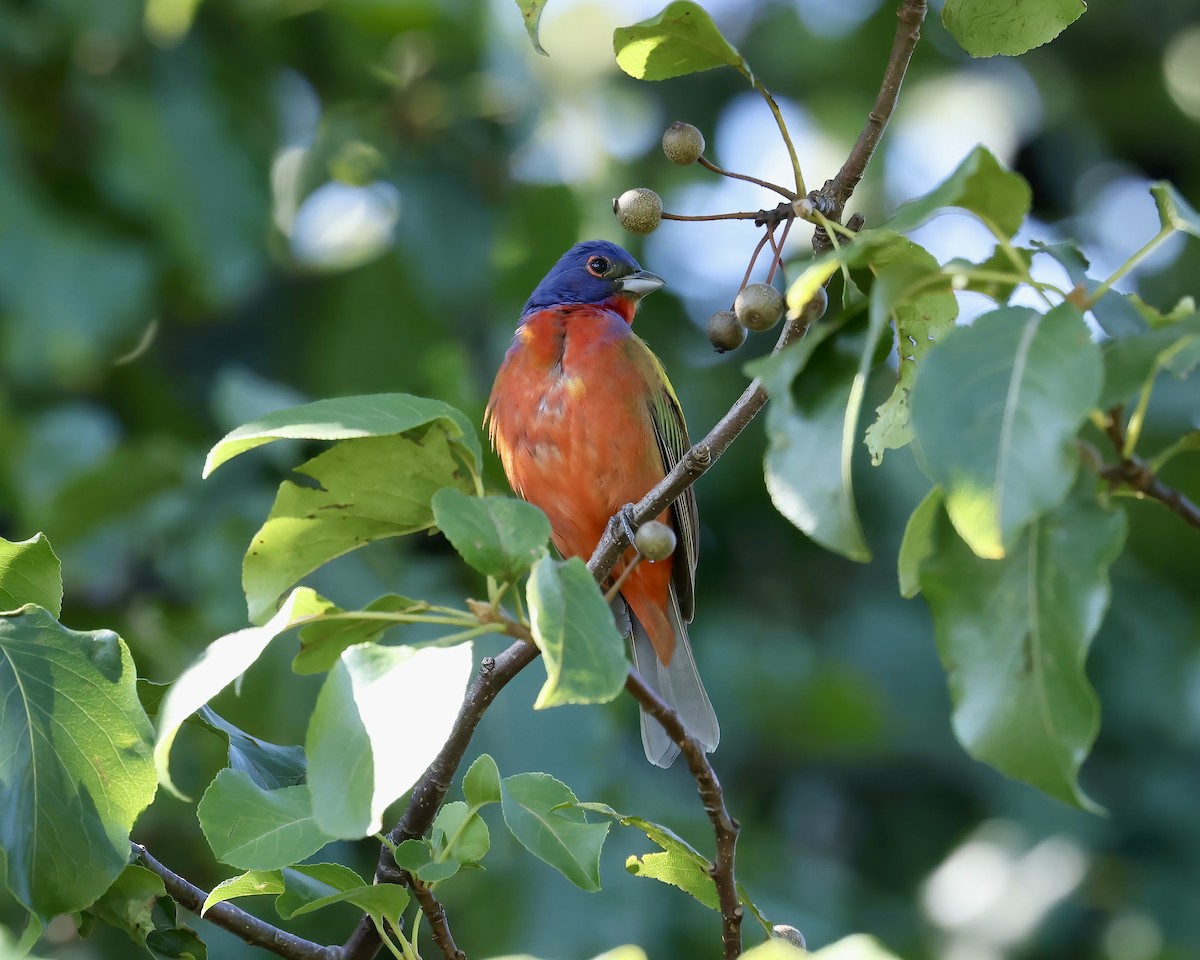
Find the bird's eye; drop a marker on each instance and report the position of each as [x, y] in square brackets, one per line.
[598, 266]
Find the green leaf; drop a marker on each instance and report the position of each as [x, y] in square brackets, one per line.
[531, 11]
[413, 854]
[360, 757]
[75, 760]
[1188, 443]
[583, 652]
[533, 807]
[1014, 634]
[481, 782]
[176, 943]
[918, 542]
[345, 418]
[460, 833]
[322, 641]
[30, 573]
[1184, 308]
[1173, 210]
[1132, 361]
[309, 882]
[963, 273]
[268, 765]
[985, 28]
[909, 290]
[981, 186]
[438, 871]
[807, 463]
[678, 871]
[129, 903]
[996, 411]
[367, 490]
[682, 39]
[225, 660]
[252, 883]
[256, 829]
[498, 536]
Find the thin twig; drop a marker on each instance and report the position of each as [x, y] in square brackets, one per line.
[782, 191]
[256, 932]
[754, 257]
[838, 191]
[741, 215]
[1136, 474]
[724, 826]
[435, 913]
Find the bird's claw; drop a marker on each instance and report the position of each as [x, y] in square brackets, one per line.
[624, 520]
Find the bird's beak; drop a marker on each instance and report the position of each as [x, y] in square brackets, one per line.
[637, 285]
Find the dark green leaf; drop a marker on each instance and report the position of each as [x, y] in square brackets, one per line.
[176, 943]
[256, 829]
[413, 854]
[918, 542]
[533, 807]
[360, 759]
[129, 903]
[225, 660]
[30, 573]
[346, 418]
[438, 871]
[498, 536]
[309, 882]
[75, 760]
[252, 883]
[682, 39]
[267, 764]
[322, 641]
[1173, 210]
[531, 12]
[979, 185]
[582, 650]
[996, 411]
[985, 28]
[1129, 362]
[481, 782]
[1014, 634]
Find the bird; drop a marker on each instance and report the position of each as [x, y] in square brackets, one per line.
[585, 422]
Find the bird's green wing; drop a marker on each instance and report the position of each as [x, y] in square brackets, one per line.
[671, 431]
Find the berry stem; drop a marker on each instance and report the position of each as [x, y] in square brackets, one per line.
[753, 258]
[742, 215]
[778, 261]
[782, 191]
[783, 131]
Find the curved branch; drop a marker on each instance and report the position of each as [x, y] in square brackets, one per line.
[724, 826]
[1136, 474]
[256, 932]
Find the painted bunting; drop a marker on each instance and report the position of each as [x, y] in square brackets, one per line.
[586, 422]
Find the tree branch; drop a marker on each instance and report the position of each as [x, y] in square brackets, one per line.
[257, 933]
[838, 191]
[1136, 474]
[435, 913]
[724, 827]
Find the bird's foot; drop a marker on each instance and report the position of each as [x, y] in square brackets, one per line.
[624, 521]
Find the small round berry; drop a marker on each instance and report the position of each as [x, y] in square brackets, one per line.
[638, 210]
[815, 308]
[683, 143]
[724, 331]
[759, 307]
[654, 540]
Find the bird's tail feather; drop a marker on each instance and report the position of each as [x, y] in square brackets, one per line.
[678, 684]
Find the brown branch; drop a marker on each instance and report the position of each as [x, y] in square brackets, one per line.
[430, 791]
[256, 932]
[1136, 474]
[838, 191]
[435, 913]
[724, 826]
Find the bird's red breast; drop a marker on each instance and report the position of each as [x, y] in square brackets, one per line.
[569, 417]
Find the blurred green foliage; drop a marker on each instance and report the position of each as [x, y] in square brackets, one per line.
[293, 199]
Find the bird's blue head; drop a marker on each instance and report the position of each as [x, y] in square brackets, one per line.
[594, 271]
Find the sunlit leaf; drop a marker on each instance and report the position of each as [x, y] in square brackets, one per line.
[30, 573]
[540, 812]
[985, 28]
[1173, 210]
[678, 871]
[1014, 633]
[129, 903]
[252, 883]
[498, 536]
[361, 754]
[996, 410]
[531, 12]
[322, 641]
[224, 661]
[679, 40]
[75, 760]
